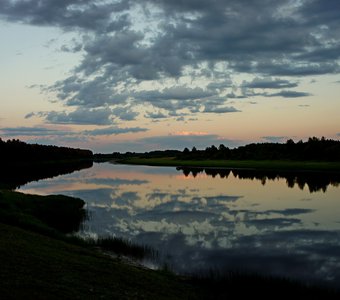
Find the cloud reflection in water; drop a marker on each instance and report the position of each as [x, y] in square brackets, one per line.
[226, 222]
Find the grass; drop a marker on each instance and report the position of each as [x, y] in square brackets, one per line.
[245, 164]
[38, 267]
[49, 214]
[117, 245]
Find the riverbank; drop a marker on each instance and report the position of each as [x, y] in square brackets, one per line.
[34, 266]
[38, 261]
[279, 165]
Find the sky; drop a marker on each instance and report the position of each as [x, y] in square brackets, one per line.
[122, 75]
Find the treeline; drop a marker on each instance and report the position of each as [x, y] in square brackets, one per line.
[18, 151]
[313, 149]
[151, 154]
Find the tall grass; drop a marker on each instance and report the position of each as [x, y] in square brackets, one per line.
[118, 245]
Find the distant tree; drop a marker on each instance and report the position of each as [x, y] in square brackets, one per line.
[222, 148]
[186, 151]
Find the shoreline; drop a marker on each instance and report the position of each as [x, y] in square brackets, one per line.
[251, 165]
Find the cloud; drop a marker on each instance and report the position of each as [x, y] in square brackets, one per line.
[64, 134]
[291, 211]
[155, 115]
[124, 113]
[289, 94]
[220, 110]
[113, 130]
[88, 116]
[178, 217]
[178, 55]
[175, 98]
[94, 93]
[274, 139]
[32, 131]
[268, 83]
[84, 116]
[66, 14]
[272, 222]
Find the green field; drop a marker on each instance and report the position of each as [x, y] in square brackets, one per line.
[244, 164]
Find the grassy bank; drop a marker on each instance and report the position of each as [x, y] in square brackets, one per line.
[55, 215]
[52, 214]
[281, 165]
[38, 267]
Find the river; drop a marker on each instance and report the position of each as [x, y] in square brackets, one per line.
[199, 220]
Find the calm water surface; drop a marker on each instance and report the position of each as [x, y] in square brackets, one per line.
[201, 222]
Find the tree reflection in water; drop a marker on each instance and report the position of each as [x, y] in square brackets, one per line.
[316, 181]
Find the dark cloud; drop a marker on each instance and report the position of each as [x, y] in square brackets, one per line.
[127, 45]
[31, 131]
[176, 98]
[124, 113]
[219, 109]
[264, 224]
[98, 92]
[268, 83]
[101, 116]
[47, 132]
[113, 130]
[83, 14]
[155, 115]
[288, 212]
[178, 217]
[291, 211]
[223, 198]
[182, 93]
[126, 198]
[289, 94]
